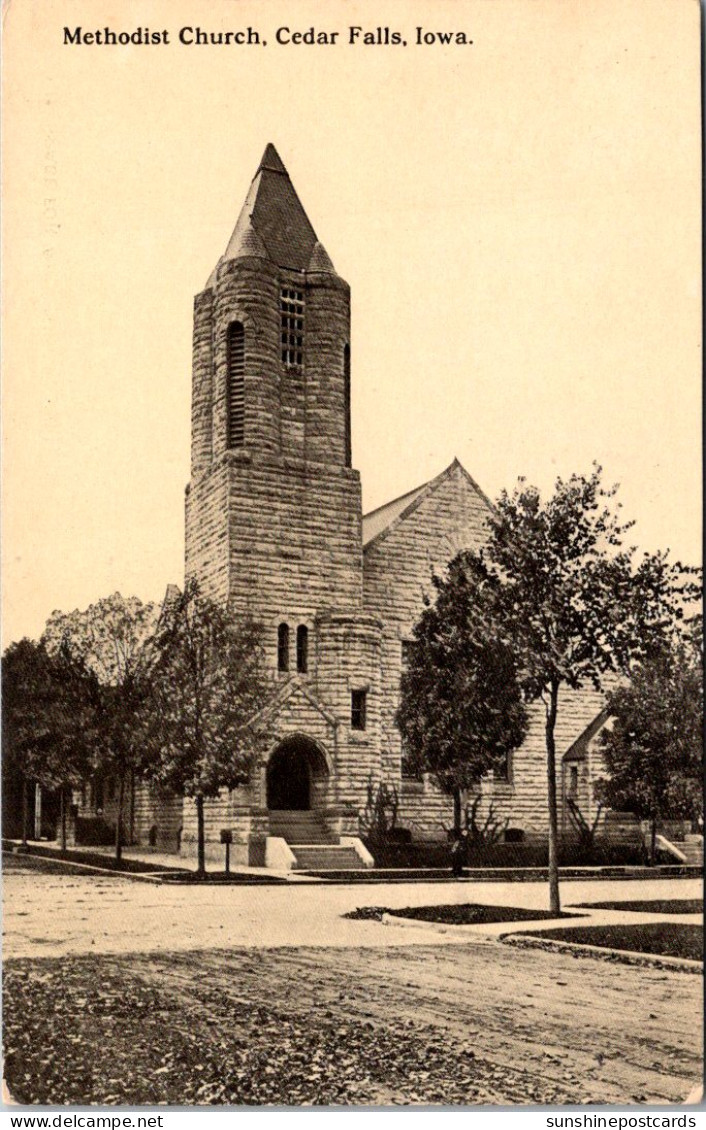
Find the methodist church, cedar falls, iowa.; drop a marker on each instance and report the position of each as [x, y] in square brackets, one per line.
[274, 527]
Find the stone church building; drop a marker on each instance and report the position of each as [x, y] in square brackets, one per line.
[274, 526]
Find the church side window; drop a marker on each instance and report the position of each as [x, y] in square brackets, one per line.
[407, 768]
[283, 647]
[347, 395]
[235, 357]
[302, 649]
[292, 327]
[359, 703]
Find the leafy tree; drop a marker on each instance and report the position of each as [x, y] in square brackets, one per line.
[653, 751]
[573, 604]
[202, 721]
[110, 638]
[50, 709]
[461, 711]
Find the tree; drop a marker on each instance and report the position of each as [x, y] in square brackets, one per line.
[202, 720]
[461, 711]
[572, 603]
[110, 638]
[653, 751]
[50, 709]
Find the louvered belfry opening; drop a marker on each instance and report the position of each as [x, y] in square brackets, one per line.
[236, 384]
[347, 397]
[292, 326]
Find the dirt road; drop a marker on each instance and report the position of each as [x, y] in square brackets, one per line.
[473, 1023]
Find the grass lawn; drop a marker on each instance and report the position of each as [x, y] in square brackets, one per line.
[45, 861]
[668, 939]
[465, 914]
[654, 906]
[54, 864]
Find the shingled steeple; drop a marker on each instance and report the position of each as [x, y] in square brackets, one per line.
[273, 224]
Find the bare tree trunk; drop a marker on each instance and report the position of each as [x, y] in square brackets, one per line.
[457, 811]
[119, 821]
[653, 841]
[132, 806]
[553, 863]
[201, 837]
[25, 812]
[63, 818]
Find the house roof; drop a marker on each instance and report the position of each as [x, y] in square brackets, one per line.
[378, 523]
[273, 224]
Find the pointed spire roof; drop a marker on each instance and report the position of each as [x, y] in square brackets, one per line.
[320, 260]
[245, 242]
[273, 224]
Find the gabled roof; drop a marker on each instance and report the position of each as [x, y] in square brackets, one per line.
[378, 520]
[578, 750]
[379, 523]
[273, 224]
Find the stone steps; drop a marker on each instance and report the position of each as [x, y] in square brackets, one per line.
[334, 857]
[300, 828]
[693, 849]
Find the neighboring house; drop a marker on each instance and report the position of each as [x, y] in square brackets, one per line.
[274, 527]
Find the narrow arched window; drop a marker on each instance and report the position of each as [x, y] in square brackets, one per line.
[235, 358]
[283, 647]
[302, 649]
[347, 395]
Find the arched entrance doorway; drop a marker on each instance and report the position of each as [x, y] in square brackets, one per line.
[291, 771]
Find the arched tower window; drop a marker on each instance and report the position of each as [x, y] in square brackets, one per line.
[347, 395]
[302, 649]
[235, 357]
[283, 647]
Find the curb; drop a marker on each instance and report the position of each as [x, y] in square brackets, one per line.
[471, 931]
[581, 949]
[438, 928]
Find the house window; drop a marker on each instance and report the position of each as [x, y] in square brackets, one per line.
[347, 396]
[358, 709]
[235, 358]
[302, 649]
[283, 647]
[292, 327]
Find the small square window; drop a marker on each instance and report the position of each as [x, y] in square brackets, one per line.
[358, 709]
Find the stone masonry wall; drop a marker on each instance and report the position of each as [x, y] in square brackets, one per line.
[397, 573]
[398, 567]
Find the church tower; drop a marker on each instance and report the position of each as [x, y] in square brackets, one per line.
[273, 506]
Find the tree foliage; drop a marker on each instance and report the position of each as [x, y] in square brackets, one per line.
[110, 638]
[50, 717]
[575, 603]
[653, 749]
[202, 722]
[461, 711]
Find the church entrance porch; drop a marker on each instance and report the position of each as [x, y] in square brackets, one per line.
[296, 775]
